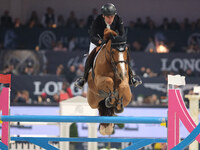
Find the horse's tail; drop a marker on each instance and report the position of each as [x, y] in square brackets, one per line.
[104, 111]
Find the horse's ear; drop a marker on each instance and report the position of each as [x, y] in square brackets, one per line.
[114, 33]
[107, 33]
[106, 30]
[126, 48]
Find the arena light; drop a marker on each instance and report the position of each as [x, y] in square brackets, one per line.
[162, 49]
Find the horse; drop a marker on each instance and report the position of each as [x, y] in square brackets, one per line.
[108, 83]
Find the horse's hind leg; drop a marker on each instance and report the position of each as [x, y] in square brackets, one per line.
[105, 128]
[104, 111]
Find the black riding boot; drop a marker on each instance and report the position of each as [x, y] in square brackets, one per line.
[134, 80]
[88, 65]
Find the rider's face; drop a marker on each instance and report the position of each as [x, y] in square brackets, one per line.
[109, 19]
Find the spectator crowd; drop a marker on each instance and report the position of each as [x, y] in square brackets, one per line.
[51, 20]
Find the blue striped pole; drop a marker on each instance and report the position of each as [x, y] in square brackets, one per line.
[89, 119]
[57, 139]
[44, 141]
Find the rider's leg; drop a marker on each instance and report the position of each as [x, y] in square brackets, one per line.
[132, 77]
[88, 65]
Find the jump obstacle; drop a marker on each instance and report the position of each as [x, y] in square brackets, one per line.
[176, 112]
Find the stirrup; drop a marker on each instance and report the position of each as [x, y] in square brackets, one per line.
[137, 83]
[78, 84]
[137, 80]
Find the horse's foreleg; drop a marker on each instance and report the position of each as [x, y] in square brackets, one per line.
[125, 92]
[105, 84]
[124, 97]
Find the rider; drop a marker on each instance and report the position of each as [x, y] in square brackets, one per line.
[108, 19]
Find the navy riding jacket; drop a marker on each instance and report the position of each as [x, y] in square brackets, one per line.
[98, 26]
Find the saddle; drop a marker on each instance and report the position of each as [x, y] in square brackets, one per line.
[96, 52]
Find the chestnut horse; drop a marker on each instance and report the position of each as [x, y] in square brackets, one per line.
[108, 89]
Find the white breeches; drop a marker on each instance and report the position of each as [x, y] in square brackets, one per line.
[92, 46]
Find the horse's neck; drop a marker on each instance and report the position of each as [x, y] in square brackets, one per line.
[103, 57]
[107, 53]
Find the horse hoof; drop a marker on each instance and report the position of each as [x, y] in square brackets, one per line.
[119, 110]
[107, 102]
[102, 130]
[109, 129]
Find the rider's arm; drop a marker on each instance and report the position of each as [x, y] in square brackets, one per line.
[120, 25]
[95, 40]
[94, 32]
[93, 36]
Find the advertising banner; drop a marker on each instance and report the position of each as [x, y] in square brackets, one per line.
[52, 84]
[170, 62]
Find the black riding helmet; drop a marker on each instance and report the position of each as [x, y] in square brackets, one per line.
[108, 9]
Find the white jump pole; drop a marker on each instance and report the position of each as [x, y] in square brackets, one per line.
[194, 112]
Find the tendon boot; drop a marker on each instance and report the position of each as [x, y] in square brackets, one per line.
[88, 65]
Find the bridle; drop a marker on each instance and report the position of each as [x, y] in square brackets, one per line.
[120, 47]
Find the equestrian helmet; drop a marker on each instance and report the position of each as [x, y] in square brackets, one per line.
[108, 9]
